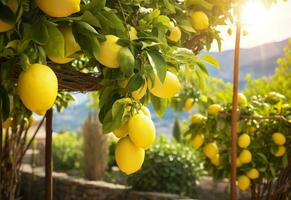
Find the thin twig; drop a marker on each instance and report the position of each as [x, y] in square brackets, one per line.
[32, 138]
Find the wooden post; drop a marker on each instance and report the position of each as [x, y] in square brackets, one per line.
[1, 136]
[234, 117]
[48, 155]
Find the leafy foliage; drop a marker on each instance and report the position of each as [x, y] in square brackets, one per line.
[169, 167]
[260, 119]
[67, 153]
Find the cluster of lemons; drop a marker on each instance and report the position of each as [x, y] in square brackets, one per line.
[211, 150]
[136, 135]
[199, 21]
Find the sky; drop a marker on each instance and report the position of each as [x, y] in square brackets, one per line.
[263, 25]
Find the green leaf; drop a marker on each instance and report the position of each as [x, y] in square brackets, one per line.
[6, 14]
[126, 61]
[160, 105]
[158, 63]
[111, 123]
[39, 32]
[91, 19]
[87, 38]
[210, 60]
[170, 6]
[55, 45]
[110, 21]
[202, 67]
[95, 5]
[135, 83]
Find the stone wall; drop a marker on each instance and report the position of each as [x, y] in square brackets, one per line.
[68, 188]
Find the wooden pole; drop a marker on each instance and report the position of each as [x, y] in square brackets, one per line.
[48, 155]
[234, 117]
[1, 136]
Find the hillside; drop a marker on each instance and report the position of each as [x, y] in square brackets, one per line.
[258, 61]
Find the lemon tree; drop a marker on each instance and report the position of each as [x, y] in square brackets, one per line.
[264, 141]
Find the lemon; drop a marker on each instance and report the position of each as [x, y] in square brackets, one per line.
[59, 8]
[122, 131]
[278, 138]
[7, 123]
[197, 141]
[71, 46]
[245, 156]
[188, 104]
[129, 157]
[244, 140]
[280, 152]
[199, 20]
[215, 160]
[229, 31]
[175, 34]
[109, 52]
[132, 33]
[210, 150]
[243, 182]
[38, 88]
[141, 130]
[253, 173]
[214, 109]
[139, 93]
[241, 99]
[169, 88]
[5, 26]
[252, 129]
[146, 111]
[197, 119]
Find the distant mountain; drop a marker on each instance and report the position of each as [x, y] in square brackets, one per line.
[258, 61]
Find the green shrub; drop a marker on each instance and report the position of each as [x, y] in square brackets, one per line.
[67, 151]
[169, 167]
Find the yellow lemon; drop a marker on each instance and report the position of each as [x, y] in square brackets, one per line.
[245, 156]
[146, 111]
[109, 52]
[188, 104]
[139, 93]
[253, 173]
[169, 88]
[214, 109]
[59, 8]
[229, 31]
[197, 141]
[197, 119]
[38, 88]
[129, 157]
[215, 160]
[210, 150]
[71, 46]
[241, 99]
[122, 131]
[5, 26]
[278, 138]
[132, 33]
[244, 140]
[7, 123]
[243, 182]
[175, 34]
[280, 152]
[252, 129]
[199, 20]
[141, 130]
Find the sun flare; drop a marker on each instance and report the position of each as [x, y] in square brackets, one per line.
[254, 14]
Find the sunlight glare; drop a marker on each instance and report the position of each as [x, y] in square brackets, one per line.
[254, 13]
